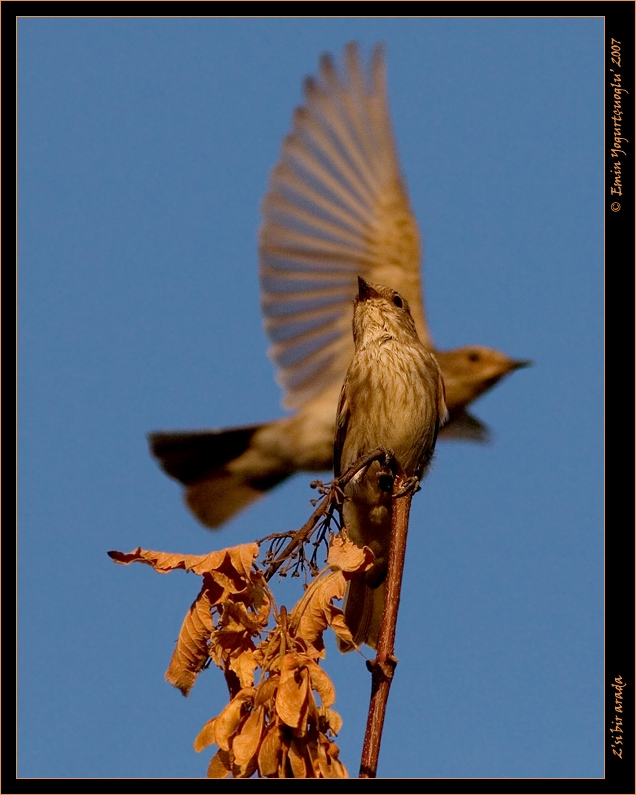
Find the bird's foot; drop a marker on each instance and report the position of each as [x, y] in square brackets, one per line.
[409, 486]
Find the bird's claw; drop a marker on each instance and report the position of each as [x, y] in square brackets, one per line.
[409, 486]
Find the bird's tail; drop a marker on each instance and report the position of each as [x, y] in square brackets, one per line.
[363, 612]
[217, 470]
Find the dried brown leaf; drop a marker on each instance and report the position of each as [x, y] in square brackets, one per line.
[282, 763]
[244, 666]
[345, 555]
[261, 599]
[236, 617]
[266, 690]
[321, 763]
[242, 558]
[224, 645]
[321, 683]
[270, 751]
[293, 693]
[246, 770]
[335, 619]
[337, 769]
[164, 562]
[299, 762]
[331, 720]
[206, 736]
[310, 616]
[328, 765]
[220, 765]
[245, 743]
[230, 581]
[191, 651]
[228, 721]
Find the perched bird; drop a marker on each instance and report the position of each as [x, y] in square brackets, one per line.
[392, 397]
[336, 207]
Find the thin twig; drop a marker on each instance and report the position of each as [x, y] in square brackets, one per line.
[326, 506]
[383, 666]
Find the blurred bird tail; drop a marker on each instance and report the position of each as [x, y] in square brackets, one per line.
[363, 613]
[215, 469]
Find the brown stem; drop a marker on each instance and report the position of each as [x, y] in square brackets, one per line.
[383, 666]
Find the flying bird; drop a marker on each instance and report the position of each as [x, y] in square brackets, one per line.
[393, 398]
[336, 207]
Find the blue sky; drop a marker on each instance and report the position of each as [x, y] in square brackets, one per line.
[144, 151]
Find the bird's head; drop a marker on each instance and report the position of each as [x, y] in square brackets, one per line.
[472, 370]
[381, 313]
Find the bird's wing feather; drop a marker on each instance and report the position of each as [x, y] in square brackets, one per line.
[336, 207]
[342, 421]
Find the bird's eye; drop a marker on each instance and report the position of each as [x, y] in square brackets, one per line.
[473, 356]
[398, 301]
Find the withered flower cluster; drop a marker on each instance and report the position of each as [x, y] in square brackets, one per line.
[273, 725]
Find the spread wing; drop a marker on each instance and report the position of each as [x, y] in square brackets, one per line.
[336, 207]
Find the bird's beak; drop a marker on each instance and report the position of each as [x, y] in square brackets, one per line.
[365, 291]
[520, 363]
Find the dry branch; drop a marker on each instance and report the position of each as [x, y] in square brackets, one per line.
[383, 666]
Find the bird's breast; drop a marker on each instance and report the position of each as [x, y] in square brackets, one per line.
[392, 399]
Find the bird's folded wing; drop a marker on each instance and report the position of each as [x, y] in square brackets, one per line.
[336, 208]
